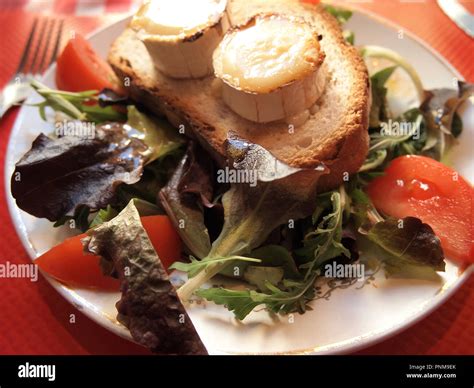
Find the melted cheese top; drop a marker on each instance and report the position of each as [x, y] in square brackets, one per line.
[267, 54]
[177, 17]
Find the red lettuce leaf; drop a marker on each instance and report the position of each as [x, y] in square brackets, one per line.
[149, 306]
[56, 176]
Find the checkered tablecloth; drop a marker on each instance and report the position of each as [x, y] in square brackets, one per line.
[73, 7]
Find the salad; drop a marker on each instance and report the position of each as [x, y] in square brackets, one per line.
[146, 201]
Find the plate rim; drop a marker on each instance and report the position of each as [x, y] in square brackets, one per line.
[351, 345]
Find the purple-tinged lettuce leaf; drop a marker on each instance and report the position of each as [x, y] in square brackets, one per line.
[440, 106]
[56, 176]
[149, 306]
[408, 242]
[406, 247]
[252, 212]
[183, 198]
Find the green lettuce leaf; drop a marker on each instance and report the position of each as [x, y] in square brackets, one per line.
[157, 134]
[103, 215]
[277, 256]
[275, 262]
[324, 242]
[261, 276]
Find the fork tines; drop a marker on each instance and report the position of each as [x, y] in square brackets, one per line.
[42, 45]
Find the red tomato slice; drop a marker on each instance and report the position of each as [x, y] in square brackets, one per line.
[79, 68]
[427, 189]
[67, 263]
[164, 238]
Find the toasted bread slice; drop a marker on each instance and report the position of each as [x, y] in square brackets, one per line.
[335, 134]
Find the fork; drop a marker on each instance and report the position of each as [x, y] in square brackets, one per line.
[36, 58]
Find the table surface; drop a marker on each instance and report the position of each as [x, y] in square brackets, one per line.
[35, 319]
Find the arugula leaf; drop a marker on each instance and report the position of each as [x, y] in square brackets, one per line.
[98, 114]
[276, 262]
[324, 242]
[251, 213]
[149, 306]
[269, 256]
[412, 250]
[241, 303]
[282, 295]
[56, 176]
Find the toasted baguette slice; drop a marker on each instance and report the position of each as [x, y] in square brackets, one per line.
[336, 134]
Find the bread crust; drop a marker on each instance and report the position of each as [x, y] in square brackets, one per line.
[343, 148]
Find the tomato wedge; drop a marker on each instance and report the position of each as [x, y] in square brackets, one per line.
[79, 68]
[67, 263]
[164, 238]
[425, 188]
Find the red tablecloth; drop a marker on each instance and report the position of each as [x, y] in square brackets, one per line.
[34, 319]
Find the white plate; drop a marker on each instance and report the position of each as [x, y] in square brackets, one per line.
[351, 319]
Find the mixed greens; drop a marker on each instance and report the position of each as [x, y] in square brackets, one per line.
[276, 236]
